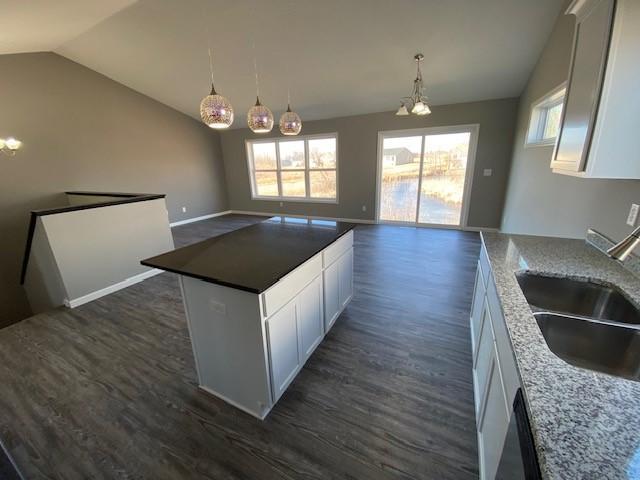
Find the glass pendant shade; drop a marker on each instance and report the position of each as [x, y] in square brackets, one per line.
[290, 123]
[425, 110]
[260, 118]
[402, 111]
[216, 111]
[417, 107]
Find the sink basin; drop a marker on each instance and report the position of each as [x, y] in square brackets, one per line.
[576, 297]
[605, 347]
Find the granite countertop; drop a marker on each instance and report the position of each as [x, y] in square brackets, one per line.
[586, 424]
[253, 258]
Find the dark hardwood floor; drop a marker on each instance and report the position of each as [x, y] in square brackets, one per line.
[108, 390]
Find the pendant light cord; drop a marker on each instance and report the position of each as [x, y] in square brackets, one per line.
[255, 69]
[208, 35]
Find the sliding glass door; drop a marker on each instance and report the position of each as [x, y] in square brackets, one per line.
[424, 175]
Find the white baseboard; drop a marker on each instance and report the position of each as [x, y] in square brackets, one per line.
[197, 219]
[481, 229]
[76, 302]
[284, 214]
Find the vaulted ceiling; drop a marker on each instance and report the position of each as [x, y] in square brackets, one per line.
[338, 57]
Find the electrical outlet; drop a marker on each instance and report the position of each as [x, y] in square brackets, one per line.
[184, 209]
[218, 307]
[487, 172]
[364, 208]
[633, 215]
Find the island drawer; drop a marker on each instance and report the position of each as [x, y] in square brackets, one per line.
[289, 286]
[337, 248]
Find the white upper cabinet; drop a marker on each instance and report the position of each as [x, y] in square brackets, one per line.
[598, 135]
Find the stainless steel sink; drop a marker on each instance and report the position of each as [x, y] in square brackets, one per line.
[576, 297]
[596, 345]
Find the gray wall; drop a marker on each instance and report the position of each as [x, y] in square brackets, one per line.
[83, 131]
[543, 203]
[357, 154]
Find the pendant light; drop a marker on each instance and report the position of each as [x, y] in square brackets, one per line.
[215, 110]
[290, 122]
[417, 100]
[259, 117]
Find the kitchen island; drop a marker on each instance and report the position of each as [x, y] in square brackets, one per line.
[259, 300]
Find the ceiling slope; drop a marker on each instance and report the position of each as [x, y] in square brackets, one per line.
[337, 57]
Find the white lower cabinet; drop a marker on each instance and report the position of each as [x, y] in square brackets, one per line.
[293, 334]
[494, 422]
[310, 318]
[331, 295]
[345, 282]
[477, 307]
[284, 355]
[338, 287]
[494, 371]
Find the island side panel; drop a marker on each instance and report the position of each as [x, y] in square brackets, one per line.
[228, 339]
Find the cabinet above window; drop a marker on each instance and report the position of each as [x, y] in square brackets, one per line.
[598, 134]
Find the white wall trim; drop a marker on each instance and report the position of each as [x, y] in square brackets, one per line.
[197, 219]
[76, 302]
[283, 214]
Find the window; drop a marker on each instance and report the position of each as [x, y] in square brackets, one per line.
[546, 115]
[302, 169]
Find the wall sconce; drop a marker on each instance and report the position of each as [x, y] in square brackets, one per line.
[9, 146]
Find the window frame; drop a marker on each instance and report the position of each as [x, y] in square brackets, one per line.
[538, 117]
[279, 170]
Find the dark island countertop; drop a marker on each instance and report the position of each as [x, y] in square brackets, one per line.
[253, 258]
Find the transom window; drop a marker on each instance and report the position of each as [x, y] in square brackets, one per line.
[300, 169]
[546, 115]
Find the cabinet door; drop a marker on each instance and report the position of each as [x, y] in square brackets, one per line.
[345, 264]
[484, 357]
[476, 310]
[493, 424]
[590, 50]
[282, 331]
[331, 295]
[310, 321]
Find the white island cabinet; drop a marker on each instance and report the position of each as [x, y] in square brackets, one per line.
[252, 329]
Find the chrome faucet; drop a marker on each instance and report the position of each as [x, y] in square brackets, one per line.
[620, 251]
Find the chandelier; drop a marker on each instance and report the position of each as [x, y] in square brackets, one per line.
[9, 146]
[416, 103]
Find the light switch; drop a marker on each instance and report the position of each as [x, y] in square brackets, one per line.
[487, 172]
[633, 215]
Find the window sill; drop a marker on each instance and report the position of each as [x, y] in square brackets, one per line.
[544, 143]
[297, 199]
